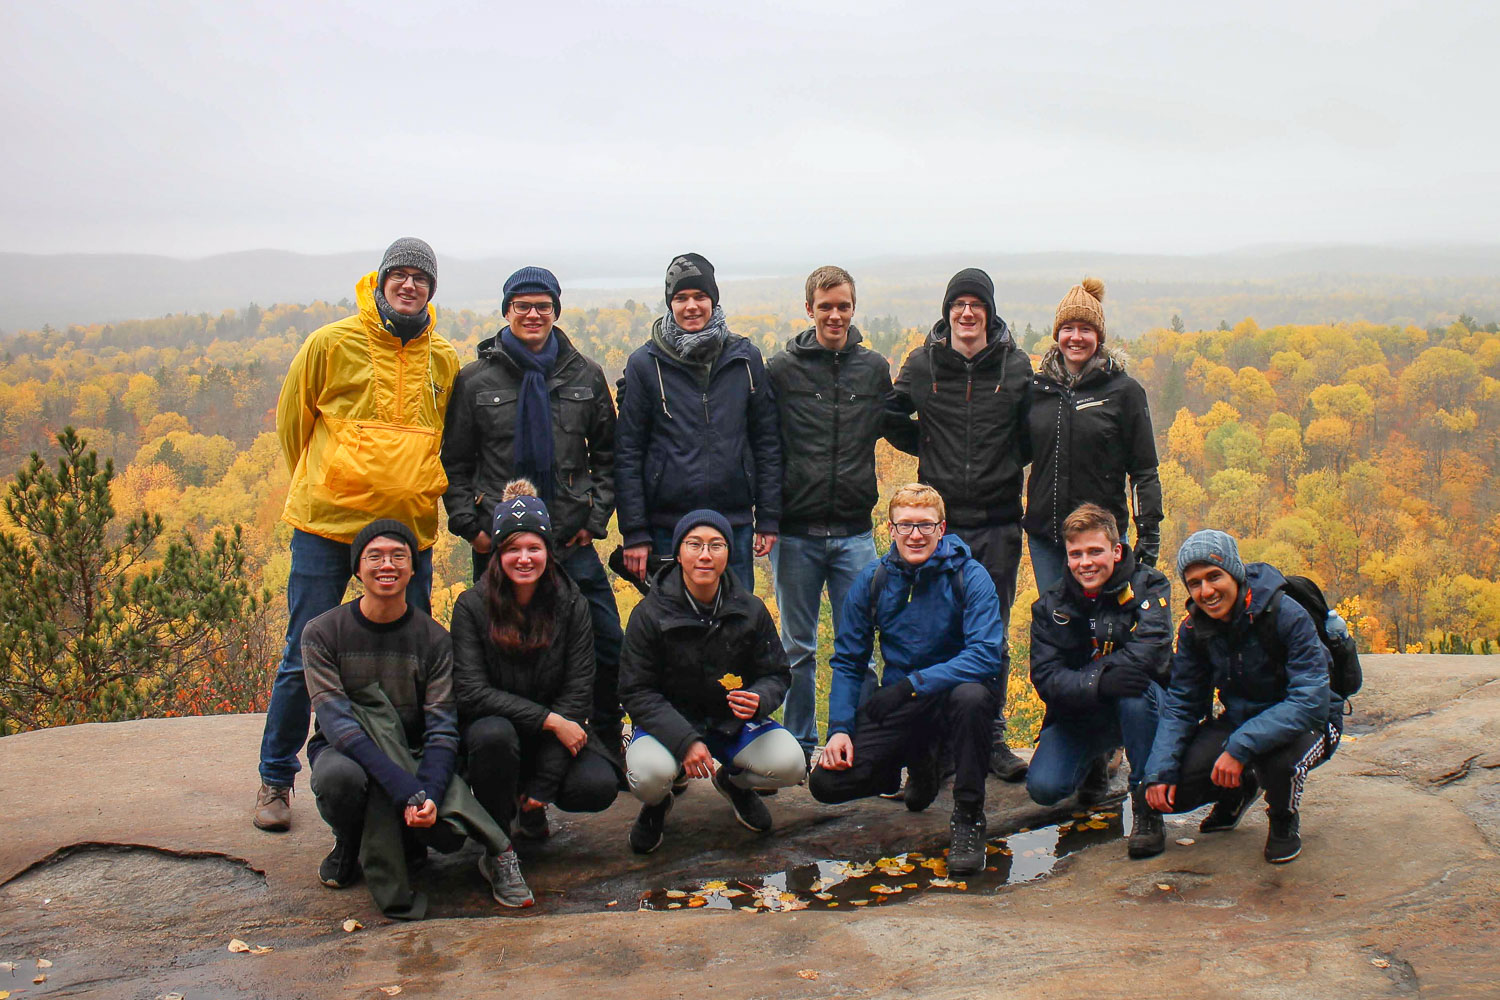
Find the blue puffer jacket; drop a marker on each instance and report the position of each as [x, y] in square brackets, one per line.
[681, 445]
[928, 631]
[1268, 706]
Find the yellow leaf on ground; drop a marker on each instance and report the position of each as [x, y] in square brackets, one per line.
[42, 963]
[715, 886]
[1164, 887]
[1185, 841]
[7, 966]
[674, 906]
[4, 994]
[263, 949]
[909, 885]
[237, 946]
[351, 925]
[731, 893]
[697, 901]
[732, 682]
[41, 977]
[807, 974]
[1380, 963]
[613, 902]
[860, 902]
[390, 991]
[676, 894]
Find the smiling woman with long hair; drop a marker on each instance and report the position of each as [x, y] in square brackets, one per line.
[523, 668]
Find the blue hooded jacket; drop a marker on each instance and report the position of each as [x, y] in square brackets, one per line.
[1268, 707]
[928, 633]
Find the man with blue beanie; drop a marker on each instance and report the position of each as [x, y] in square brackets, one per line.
[533, 407]
[1248, 640]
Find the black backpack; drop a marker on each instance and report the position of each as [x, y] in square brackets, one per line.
[1344, 673]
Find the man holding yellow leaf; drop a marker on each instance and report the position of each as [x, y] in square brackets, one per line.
[700, 674]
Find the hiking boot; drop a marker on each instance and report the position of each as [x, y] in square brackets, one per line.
[1227, 813]
[503, 872]
[273, 808]
[922, 781]
[1005, 765]
[531, 824]
[340, 869]
[1094, 788]
[748, 808]
[966, 849]
[1283, 842]
[1148, 832]
[646, 831]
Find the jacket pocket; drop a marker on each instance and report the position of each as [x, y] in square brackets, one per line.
[388, 469]
[575, 405]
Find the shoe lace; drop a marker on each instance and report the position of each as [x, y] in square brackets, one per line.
[509, 866]
[275, 793]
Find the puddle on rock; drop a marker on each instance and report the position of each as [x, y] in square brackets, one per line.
[1021, 857]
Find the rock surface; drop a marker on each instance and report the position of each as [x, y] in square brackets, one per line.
[128, 861]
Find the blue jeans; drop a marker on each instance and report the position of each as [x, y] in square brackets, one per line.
[1049, 562]
[1068, 745]
[741, 551]
[320, 573]
[800, 568]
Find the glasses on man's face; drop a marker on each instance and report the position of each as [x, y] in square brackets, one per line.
[377, 559]
[695, 547]
[963, 307]
[540, 308]
[417, 278]
[920, 527]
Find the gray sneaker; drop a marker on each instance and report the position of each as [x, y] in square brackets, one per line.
[503, 872]
[273, 808]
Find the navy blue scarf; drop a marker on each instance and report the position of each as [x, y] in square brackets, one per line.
[533, 411]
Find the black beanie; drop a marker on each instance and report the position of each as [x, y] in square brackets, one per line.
[972, 281]
[692, 270]
[387, 527]
[693, 519]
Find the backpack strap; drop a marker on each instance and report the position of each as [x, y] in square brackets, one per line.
[877, 587]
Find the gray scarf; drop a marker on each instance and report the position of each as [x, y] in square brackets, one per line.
[1055, 368]
[701, 347]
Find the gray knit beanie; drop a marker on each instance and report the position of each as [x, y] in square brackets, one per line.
[409, 251]
[1214, 547]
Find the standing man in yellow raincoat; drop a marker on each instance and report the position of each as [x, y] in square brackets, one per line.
[360, 420]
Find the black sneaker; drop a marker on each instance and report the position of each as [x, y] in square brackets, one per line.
[1283, 842]
[922, 780]
[897, 794]
[748, 808]
[680, 783]
[1227, 813]
[1094, 788]
[1006, 766]
[1148, 832]
[646, 831]
[966, 849]
[340, 869]
[531, 824]
[503, 872]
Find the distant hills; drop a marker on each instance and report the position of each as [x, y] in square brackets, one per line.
[1274, 284]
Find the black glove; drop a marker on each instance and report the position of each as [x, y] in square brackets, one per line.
[1147, 549]
[886, 700]
[1125, 680]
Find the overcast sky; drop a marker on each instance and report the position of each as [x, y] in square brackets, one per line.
[859, 128]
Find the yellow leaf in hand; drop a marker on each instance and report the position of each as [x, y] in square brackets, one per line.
[732, 682]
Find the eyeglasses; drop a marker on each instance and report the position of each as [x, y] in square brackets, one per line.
[540, 308]
[963, 307]
[398, 559]
[415, 277]
[695, 547]
[920, 527]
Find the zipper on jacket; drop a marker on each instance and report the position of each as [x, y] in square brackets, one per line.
[969, 430]
[833, 457]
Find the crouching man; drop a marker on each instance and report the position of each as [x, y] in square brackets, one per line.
[943, 641]
[1101, 648]
[701, 672]
[1259, 649]
[380, 677]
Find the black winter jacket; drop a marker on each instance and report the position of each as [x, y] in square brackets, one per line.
[682, 447]
[673, 660]
[479, 441]
[970, 433]
[488, 681]
[1074, 638]
[1084, 441]
[831, 405]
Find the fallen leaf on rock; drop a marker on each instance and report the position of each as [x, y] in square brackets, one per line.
[390, 991]
[832, 905]
[1164, 887]
[909, 885]
[351, 925]
[42, 963]
[4, 994]
[41, 977]
[238, 947]
[1185, 841]
[697, 901]
[947, 883]
[732, 682]
[674, 906]
[7, 966]
[170, 996]
[807, 974]
[885, 890]
[860, 902]
[613, 902]
[824, 895]
[731, 893]
[1380, 963]
[263, 949]
[716, 885]
[676, 894]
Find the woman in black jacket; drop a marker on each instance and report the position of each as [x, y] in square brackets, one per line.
[1090, 429]
[523, 676]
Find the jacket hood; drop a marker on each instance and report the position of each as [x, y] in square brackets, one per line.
[999, 335]
[1105, 360]
[369, 312]
[735, 347]
[806, 342]
[950, 555]
[670, 593]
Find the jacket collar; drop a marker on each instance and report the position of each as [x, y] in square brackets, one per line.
[1116, 589]
[490, 350]
[806, 343]
[678, 612]
[369, 312]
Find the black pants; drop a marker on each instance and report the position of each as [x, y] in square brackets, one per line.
[583, 567]
[998, 549]
[341, 789]
[960, 717]
[503, 764]
[1282, 773]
